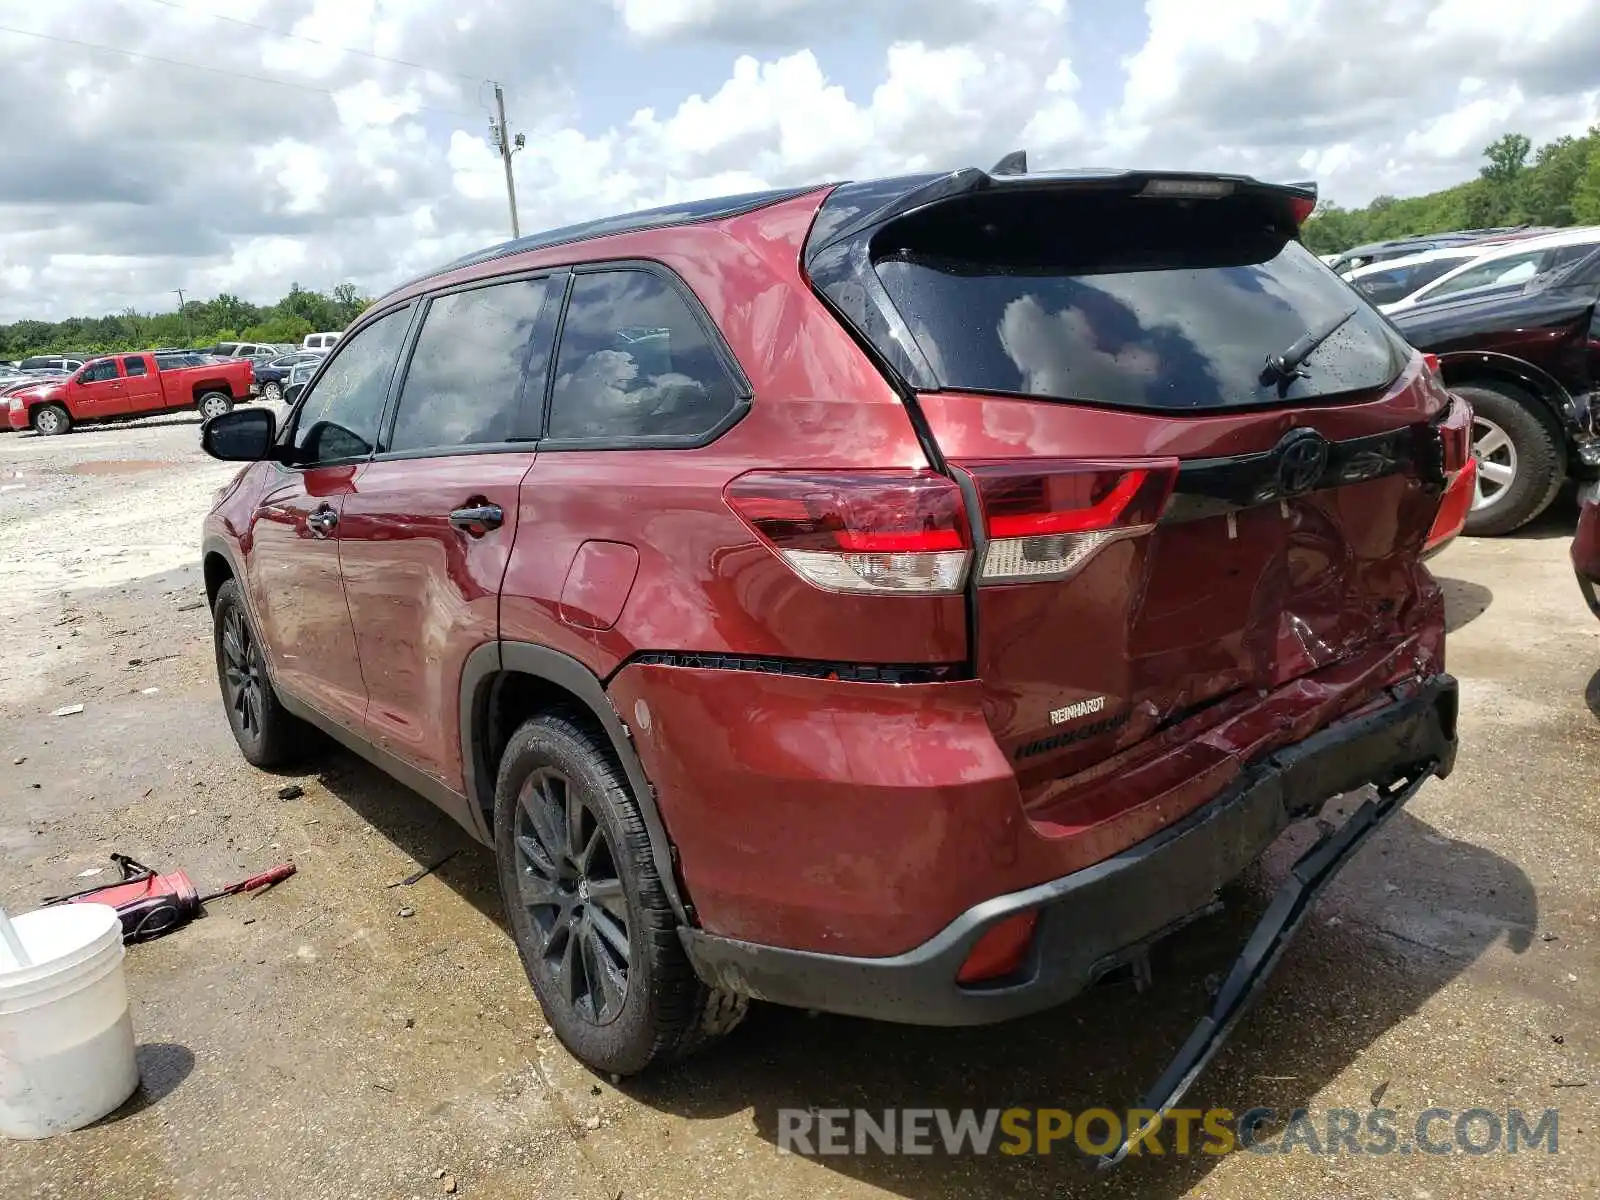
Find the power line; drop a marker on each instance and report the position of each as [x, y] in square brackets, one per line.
[227, 71]
[383, 58]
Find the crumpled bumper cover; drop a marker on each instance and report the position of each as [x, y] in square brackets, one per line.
[1103, 916]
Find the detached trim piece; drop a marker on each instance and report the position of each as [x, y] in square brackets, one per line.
[804, 668]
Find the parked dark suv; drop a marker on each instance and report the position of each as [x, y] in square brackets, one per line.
[884, 598]
[1526, 357]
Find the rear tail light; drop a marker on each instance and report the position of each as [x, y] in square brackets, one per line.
[1044, 520]
[1188, 189]
[1460, 473]
[874, 532]
[1453, 507]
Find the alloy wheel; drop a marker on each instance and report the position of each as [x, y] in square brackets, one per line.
[213, 406]
[242, 673]
[47, 421]
[567, 880]
[273, 392]
[1497, 461]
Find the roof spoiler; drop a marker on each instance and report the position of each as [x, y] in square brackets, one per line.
[1011, 173]
[1015, 163]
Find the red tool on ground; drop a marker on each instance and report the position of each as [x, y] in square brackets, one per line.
[151, 904]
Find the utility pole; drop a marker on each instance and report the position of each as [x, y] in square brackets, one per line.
[508, 146]
[184, 313]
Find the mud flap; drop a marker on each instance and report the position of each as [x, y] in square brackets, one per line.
[1313, 871]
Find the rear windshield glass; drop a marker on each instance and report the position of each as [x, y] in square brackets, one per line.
[1124, 301]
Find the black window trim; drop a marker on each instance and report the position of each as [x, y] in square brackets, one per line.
[286, 434]
[743, 394]
[544, 328]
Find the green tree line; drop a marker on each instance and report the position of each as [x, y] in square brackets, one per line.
[199, 323]
[1559, 184]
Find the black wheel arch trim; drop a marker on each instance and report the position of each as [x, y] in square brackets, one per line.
[493, 659]
[1556, 398]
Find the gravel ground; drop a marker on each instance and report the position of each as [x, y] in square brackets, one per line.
[312, 1042]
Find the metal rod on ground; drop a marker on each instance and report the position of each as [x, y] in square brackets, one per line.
[505, 157]
[13, 942]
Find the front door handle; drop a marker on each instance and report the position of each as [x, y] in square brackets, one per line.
[478, 519]
[321, 521]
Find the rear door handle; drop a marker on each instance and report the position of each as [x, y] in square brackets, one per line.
[478, 519]
[321, 521]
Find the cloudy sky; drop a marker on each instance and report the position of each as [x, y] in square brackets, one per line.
[259, 142]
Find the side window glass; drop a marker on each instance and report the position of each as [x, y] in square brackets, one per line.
[99, 372]
[339, 419]
[132, 367]
[1500, 270]
[474, 361]
[635, 363]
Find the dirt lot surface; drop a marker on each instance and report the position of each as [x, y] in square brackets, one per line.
[315, 1042]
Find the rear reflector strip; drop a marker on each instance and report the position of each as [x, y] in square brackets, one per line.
[1001, 950]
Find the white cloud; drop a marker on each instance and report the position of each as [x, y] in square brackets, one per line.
[130, 177]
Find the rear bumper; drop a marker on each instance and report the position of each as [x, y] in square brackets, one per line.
[1103, 916]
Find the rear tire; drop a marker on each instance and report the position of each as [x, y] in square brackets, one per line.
[51, 419]
[214, 404]
[267, 734]
[1512, 437]
[272, 392]
[591, 920]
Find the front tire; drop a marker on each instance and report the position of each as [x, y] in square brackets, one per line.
[591, 920]
[214, 404]
[51, 419]
[1521, 458]
[267, 734]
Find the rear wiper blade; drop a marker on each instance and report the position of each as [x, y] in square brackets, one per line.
[1286, 366]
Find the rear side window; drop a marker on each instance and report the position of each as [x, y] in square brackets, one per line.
[1427, 272]
[133, 366]
[476, 359]
[1565, 256]
[1510, 268]
[1381, 287]
[1123, 301]
[1385, 287]
[99, 372]
[635, 363]
[339, 419]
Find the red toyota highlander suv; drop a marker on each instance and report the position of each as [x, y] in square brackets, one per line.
[907, 598]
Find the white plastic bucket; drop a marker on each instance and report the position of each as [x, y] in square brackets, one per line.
[66, 1042]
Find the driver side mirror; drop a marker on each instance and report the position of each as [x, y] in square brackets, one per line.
[243, 435]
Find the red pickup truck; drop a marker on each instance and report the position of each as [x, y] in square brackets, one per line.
[123, 386]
